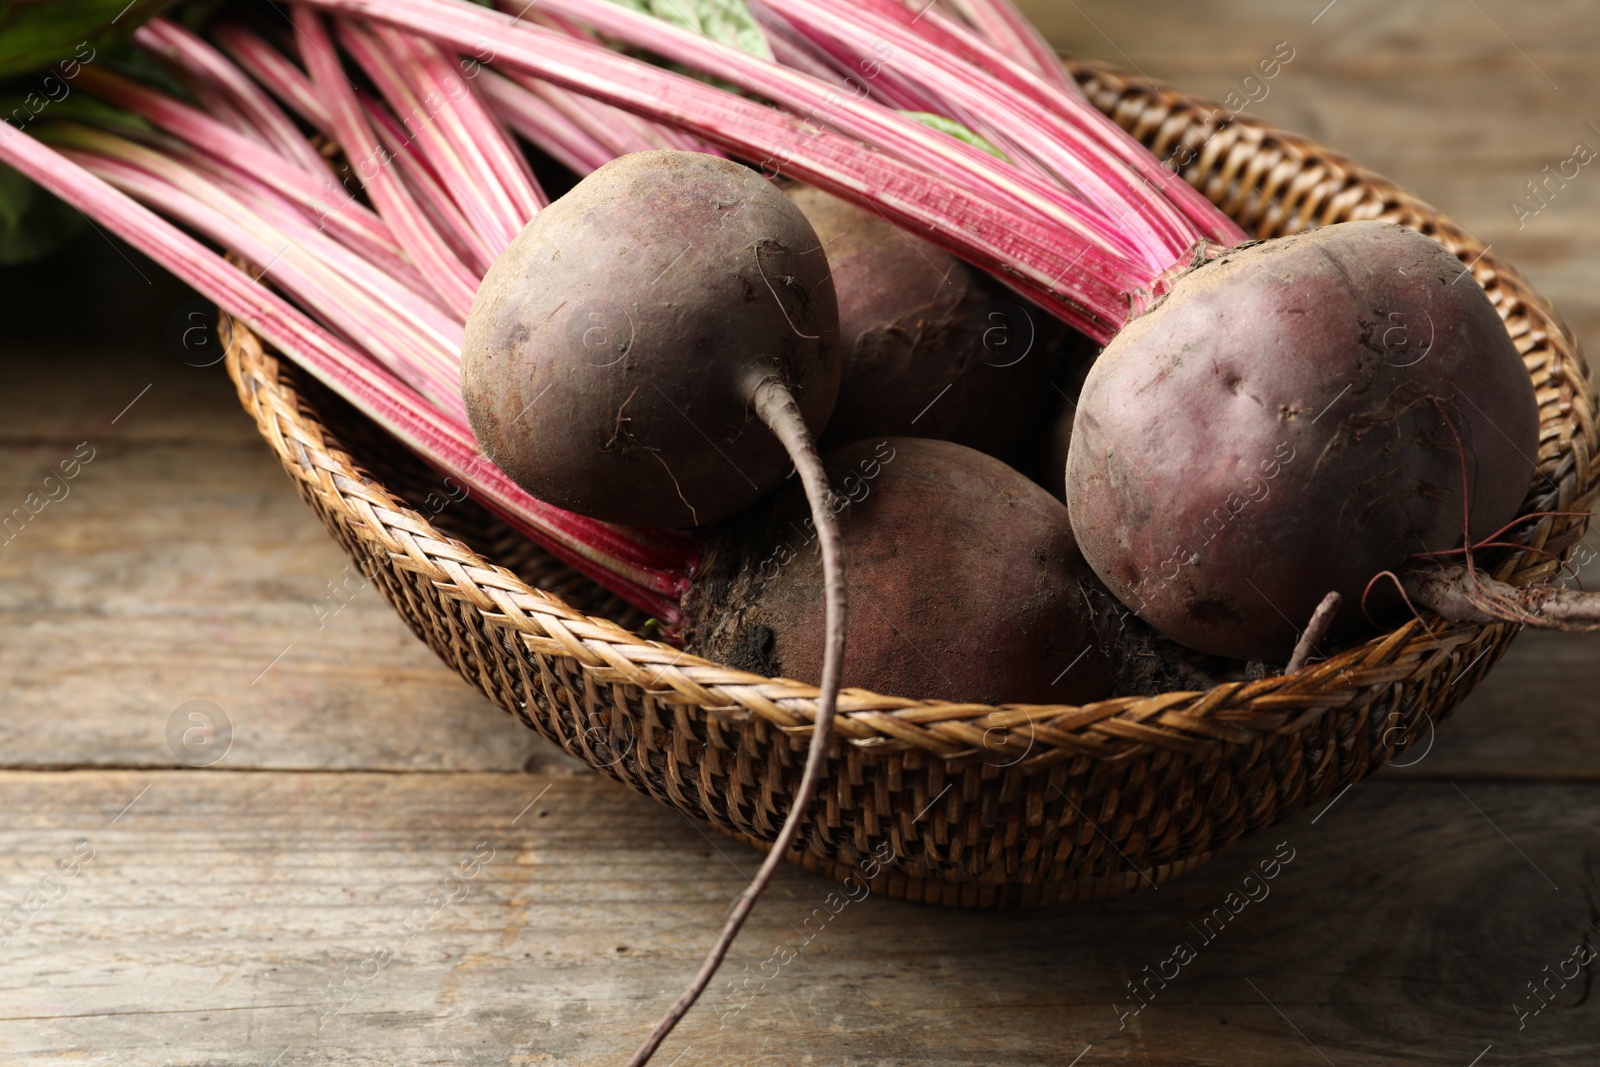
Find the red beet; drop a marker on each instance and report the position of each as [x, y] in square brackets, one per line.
[613, 350]
[656, 348]
[964, 581]
[1296, 418]
[931, 346]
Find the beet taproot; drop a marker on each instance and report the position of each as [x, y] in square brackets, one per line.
[1295, 418]
[964, 580]
[613, 349]
[932, 347]
[657, 347]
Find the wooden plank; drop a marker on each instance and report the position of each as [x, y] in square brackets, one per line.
[1370, 39]
[161, 610]
[218, 908]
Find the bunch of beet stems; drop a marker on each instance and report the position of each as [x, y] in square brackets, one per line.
[379, 297]
[1077, 215]
[369, 292]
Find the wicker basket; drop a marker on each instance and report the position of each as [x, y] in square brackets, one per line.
[982, 806]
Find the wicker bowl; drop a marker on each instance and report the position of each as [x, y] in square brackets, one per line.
[982, 806]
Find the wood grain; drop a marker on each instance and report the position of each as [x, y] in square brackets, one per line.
[1451, 101]
[180, 566]
[218, 909]
[238, 914]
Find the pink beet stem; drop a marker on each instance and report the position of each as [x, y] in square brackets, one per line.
[1070, 274]
[598, 549]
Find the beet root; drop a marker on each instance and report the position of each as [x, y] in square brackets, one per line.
[613, 350]
[656, 348]
[1292, 418]
[964, 583]
[932, 347]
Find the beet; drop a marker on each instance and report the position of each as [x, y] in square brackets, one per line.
[627, 356]
[613, 349]
[964, 580]
[932, 347]
[1296, 418]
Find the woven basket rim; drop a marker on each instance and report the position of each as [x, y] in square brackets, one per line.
[1229, 713]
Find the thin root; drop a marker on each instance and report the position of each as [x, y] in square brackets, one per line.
[763, 272]
[1398, 584]
[777, 408]
[1316, 630]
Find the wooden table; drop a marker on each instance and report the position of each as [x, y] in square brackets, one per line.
[288, 904]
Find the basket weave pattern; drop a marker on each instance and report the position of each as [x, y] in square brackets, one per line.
[983, 806]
